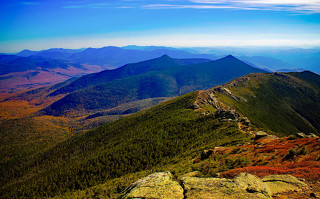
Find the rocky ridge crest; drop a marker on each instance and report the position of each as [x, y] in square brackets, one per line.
[222, 110]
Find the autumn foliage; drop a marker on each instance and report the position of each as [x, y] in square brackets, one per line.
[297, 157]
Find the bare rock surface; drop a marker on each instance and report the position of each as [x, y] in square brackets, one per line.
[156, 185]
[243, 186]
[283, 183]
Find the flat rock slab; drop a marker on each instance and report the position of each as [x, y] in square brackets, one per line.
[283, 183]
[156, 185]
[243, 186]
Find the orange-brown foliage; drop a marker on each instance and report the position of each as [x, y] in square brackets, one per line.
[310, 171]
[268, 157]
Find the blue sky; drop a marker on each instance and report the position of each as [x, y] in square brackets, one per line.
[42, 24]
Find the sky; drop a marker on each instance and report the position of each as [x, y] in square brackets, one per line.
[43, 24]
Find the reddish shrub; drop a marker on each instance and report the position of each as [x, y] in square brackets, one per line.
[272, 148]
[260, 171]
[306, 164]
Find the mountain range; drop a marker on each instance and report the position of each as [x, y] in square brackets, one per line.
[79, 104]
[306, 58]
[167, 136]
[110, 56]
[33, 69]
[160, 77]
[92, 136]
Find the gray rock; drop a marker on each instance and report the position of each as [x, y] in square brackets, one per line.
[156, 185]
[283, 183]
[312, 135]
[190, 174]
[252, 183]
[301, 135]
[241, 187]
[260, 134]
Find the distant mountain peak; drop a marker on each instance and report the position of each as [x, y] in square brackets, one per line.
[110, 47]
[25, 50]
[229, 57]
[165, 56]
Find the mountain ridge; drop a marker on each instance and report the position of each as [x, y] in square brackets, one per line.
[167, 134]
[293, 97]
[159, 77]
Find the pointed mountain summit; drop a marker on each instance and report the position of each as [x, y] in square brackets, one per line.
[159, 77]
[158, 64]
[165, 56]
[229, 57]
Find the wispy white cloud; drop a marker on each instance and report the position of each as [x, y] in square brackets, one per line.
[19, 3]
[101, 4]
[298, 6]
[91, 5]
[29, 3]
[173, 6]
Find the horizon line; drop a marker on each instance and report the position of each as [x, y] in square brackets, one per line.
[176, 47]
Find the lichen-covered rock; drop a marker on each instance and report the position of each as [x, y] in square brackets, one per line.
[252, 183]
[260, 134]
[301, 135]
[156, 185]
[243, 186]
[283, 183]
[190, 174]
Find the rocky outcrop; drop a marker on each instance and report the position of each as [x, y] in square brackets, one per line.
[303, 135]
[156, 185]
[223, 110]
[244, 185]
[261, 134]
[283, 183]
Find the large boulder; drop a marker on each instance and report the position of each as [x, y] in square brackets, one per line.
[156, 185]
[243, 186]
[283, 183]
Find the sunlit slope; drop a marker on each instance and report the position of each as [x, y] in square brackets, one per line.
[135, 143]
[285, 103]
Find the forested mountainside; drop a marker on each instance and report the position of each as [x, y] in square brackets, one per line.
[167, 135]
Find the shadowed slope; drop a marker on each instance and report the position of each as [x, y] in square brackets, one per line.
[161, 77]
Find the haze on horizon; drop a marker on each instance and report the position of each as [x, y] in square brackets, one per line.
[37, 25]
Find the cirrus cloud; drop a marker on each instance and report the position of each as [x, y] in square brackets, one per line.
[297, 6]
